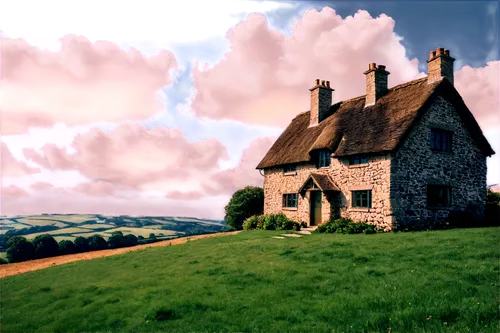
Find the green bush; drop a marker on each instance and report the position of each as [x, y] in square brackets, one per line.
[244, 203]
[19, 249]
[97, 243]
[66, 247]
[81, 244]
[492, 209]
[116, 240]
[152, 236]
[303, 224]
[45, 246]
[346, 226]
[131, 240]
[270, 222]
[3, 261]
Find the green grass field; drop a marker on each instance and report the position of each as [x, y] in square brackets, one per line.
[440, 281]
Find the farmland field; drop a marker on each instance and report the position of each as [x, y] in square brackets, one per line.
[141, 231]
[63, 231]
[436, 281]
[97, 226]
[41, 222]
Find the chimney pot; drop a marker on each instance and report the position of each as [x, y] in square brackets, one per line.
[321, 101]
[376, 83]
[440, 65]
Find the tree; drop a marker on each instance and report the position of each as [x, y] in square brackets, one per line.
[67, 247]
[131, 240]
[244, 203]
[116, 240]
[96, 243]
[19, 249]
[81, 244]
[45, 246]
[152, 236]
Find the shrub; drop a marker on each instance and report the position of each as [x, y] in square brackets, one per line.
[131, 240]
[250, 223]
[270, 222]
[96, 243]
[303, 224]
[152, 236]
[3, 261]
[45, 246]
[244, 203]
[492, 209]
[67, 247]
[346, 226]
[139, 238]
[116, 240]
[19, 249]
[81, 244]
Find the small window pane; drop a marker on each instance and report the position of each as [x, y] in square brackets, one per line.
[362, 199]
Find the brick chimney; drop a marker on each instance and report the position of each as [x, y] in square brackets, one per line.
[376, 83]
[321, 100]
[440, 65]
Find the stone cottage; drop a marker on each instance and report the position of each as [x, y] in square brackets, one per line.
[408, 154]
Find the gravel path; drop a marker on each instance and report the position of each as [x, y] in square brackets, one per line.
[33, 265]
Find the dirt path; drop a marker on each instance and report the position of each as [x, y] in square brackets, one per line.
[33, 265]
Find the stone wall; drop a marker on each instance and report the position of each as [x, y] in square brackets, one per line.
[414, 166]
[374, 175]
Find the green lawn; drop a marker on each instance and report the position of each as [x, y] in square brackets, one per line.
[440, 281]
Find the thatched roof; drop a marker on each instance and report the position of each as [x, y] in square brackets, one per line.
[352, 129]
[323, 181]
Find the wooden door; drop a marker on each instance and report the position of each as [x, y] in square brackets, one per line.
[315, 210]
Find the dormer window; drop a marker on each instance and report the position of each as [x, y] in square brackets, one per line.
[440, 140]
[290, 168]
[358, 159]
[324, 159]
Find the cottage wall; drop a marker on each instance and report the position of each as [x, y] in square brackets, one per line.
[374, 175]
[414, 166]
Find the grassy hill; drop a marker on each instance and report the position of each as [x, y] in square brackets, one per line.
[439, 281]
[70, 226]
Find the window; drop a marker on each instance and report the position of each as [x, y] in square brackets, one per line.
[438, 196]
[440, 140]
[362, 199]
[290, 168]
[324, 159]
[290, 200]
[359, 159]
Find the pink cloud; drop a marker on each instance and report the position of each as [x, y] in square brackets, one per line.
[265, 77]
[132, 156]
[41, 186]
[11, 167]
[82, 83]
[13, 192]
[480, 90]
[191, 195]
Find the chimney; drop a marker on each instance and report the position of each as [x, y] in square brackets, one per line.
[321, 100]
[376, 83]
[439, 65]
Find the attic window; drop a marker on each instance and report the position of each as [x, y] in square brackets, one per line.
[358, 159]
[440, 140]
[324, 159]
[290, 168]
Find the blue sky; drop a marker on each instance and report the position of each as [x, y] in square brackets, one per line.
[469, 28]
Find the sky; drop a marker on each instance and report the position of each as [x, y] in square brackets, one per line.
[165, 108]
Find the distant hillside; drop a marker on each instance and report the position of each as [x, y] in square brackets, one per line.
[70, 226]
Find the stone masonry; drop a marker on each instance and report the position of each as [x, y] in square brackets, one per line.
[414, 166]
[373, 175]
